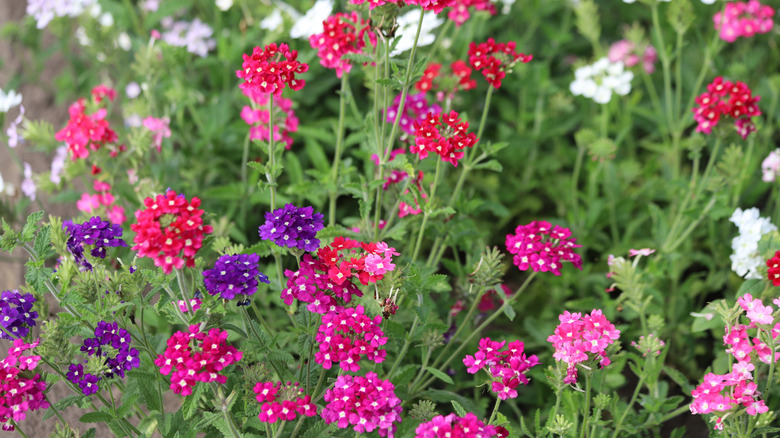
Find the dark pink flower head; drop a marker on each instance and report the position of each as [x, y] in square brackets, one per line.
[580, 338]
[631, 55]
[495, 59]
[743, 19]
[432, 5]
[271, 69]
[21, 391]
[101, 91]
[373, 3]
[159, 128]
[282, 402]
[542, 247]
[363, 403]
[726, 99]
[348, 336]
[85, 130]
[443, 134]
[454, 426]
[342, 33]
[460, 9]
[506, 368]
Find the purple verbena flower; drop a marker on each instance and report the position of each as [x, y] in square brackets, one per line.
[118, 356]
[293, 227]
[415, 110]
[89, 384]
[16, 314]
[234, 275]
[102, 234]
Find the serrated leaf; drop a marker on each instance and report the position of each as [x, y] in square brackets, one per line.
[316, 430]
[89, 433]
[190, 404]
[458, 408]
[441, 376]
[150, 395]
[42, 246]
[96, 417]
[28, 231]
[423, 312]
[61, 405]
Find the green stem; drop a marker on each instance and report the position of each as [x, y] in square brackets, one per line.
[619, 424]
[314, 395]
[182, 282]
[297, 426]
[427, 211]
[19, 429]
[469, 162]
[337, 159]
[226, 414]
[407, 341]
[271, 175]
[586, 414]
[244, 178]
[495, 411]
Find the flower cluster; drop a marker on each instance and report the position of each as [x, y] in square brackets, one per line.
[43, 11]
[454, 426]
[460, 9]
[459, 78]
[293, 227]
[743, 19]
[97, 232]
[443, 134]
[578, 337]
[234, 275]
[17, 314]
[435, 6]
[346, 336]
[746, 260]
[366, 403]
[630, 55]
[507, 368]
[271, 69]
[85, 130]
[771, 166]
[600, 80]
[196, 357]
[169, 230]
[20, 390]
[195, 36]
[112, 344]
[495, 59]
[416, 108]
[160, 129]
[723, 393]
[326, 282]
[773, 269]
[542, 247]
[725, 98]
[339, 37]
[91, 203]
[285, 120]
[282, 402]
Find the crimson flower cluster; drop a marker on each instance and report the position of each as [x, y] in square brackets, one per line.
[365, 403]
[97, 232]
[282, 402]
[16, 314]
[196, 357]
[495, 59]
[507, 368]
[85, 132]
[743, 19]
[726, 98]
[773, 269]
[271, 69]
[113, 345]
[453, 426]
[458, 78]
[443, 134]
[542, 247]
[259, 119]
[293, 227]
[339, 37]
[234, 275]
[169, 230]
[20, 390]
[723, 393]
[416, 108]
[326, 283]
[460, 9]
[580, 338]
[346, 336]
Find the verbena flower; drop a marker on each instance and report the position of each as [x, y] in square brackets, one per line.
[457, 78]
[745, 259]
[346, 336]
[112, 344]
[195, 356]
[726, 99]
[364, 403]
[773, 269]
[342, 33]
[46, 10]
[580, 338]
[743, 19]
[416, 109]
[159, 128]
[285, 120]
[542, 247]
[507, 368]
[14, 138]
[169, 230]
[494, 59]
[20, 390]
[9, 100]
[84, 131]
[282, 402]
[630, 55]
[459, 12]
[373, 3]
[771, 166]
[16, 314]
[455, 426]
[443, 134]
[271, 69]
[599, 80]
[195, 36]
[95, 232]
[234, 275]
[293, 227]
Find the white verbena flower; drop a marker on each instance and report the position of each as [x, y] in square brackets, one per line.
[6, 189]
[132, 90]
[9, 100]
[745, 260]
[28, 185]
[58, 164]
[14, 138]
[224, 5]
[273, 21]
[600, 80]
[46, 10]
[771, 166]
[311, 23]
[407, 26]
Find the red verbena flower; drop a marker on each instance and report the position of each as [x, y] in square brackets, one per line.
[447, 84]
[169, 230]
[85, 130]
[495, 59]
[542, 247]
[102, 91]
[726, 99]
[339, 37]
[271, 69]
[773, 269]
[432, 5]
[443, 134]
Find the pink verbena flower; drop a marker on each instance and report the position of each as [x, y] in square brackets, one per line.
[755, 310]
[743, 19]
[159, 128]
[364, 403]
[416, 109]
[506, 368]
[21, 391]
[285, 120]
[460, 9]
[373, 3]
[627, 52]
[282, 402]
[339, 37]
[85, 132]
[578, 339]
[542, 247]
[271, 69]
[454, 426]
[771, 166]
[346, 336]
[724, 98]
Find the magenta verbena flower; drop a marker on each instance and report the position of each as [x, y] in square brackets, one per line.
[454, 426]
[364, 403]
[234, 275]
[21, 391]
[506, 368]
[282, 402]
[345, 337]
[293, 227]
[542, 247]
[580, 338]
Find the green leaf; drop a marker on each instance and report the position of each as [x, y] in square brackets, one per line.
[493, 165]
[150, 395]
[510, 313]
[42, 245]
[62, 404]
[316, 431]
[358, 57]
[190, 404]
[96, 417]
[458, 409]
[442, 376]
[28, 231]
[423, 312]
[90, 433]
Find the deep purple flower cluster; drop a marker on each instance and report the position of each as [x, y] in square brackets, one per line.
[293, 227]
[113, 344]
[16, 314]
[234, 275]
[416, 109]
[102, 234]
